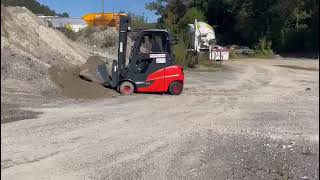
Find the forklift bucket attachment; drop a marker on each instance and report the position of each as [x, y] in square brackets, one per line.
[95, 70]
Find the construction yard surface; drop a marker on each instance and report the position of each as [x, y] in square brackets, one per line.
[247, 119]
[253, 119]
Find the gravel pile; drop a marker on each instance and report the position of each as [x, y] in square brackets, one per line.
[105, 39]
[98, 36]
[29, 48]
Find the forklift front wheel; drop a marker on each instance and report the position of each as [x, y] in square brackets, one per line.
[175, 88]
[126, 88]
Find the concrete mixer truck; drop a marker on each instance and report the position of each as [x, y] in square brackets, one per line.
[203, 39]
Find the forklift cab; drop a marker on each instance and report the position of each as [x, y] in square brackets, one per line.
[151, 51]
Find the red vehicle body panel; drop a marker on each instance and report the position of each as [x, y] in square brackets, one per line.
[162, 78]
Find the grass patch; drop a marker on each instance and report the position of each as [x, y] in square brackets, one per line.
[263, 48]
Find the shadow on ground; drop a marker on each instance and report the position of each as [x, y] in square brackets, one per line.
[12, 113]
[299, 67]
[300, 55]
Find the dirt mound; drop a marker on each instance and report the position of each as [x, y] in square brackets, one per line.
[101, 37]
[29, 48]
[105, 38]
[67, 79]
[25, 33]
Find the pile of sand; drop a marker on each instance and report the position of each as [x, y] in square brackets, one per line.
[104, 38]
[25, 33]
[29, 48]
[101, 37]
[72, 86]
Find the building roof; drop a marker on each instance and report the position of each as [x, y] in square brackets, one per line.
[62, 21]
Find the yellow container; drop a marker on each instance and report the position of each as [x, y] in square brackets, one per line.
[103, 19]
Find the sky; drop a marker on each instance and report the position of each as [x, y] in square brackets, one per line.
[78, 8]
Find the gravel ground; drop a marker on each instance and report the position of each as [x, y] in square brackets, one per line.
[254, 119]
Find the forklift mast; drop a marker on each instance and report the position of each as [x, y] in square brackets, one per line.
[118, 66]
[123, 35]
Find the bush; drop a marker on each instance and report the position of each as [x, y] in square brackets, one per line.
[69, 33]
[263, 48]
[101, 37]
[181, 52]
[187, 58]
[183, 55]
[140, 22]
[89, 30]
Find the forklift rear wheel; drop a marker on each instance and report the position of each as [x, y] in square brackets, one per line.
[126, 88]
[175, 88]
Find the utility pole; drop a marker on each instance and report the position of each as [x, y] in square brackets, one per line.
[102, 6]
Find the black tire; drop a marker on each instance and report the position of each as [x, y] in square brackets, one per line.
[175, 88]
[126, 88]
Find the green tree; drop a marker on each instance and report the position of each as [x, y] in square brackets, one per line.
[222, 14]
[295, 26]
[65, 14]
[159, 7]
[175, 10]
[190, 16]
[140, 22]
[285, 25]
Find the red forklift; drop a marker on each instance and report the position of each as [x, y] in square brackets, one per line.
[151, 66]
